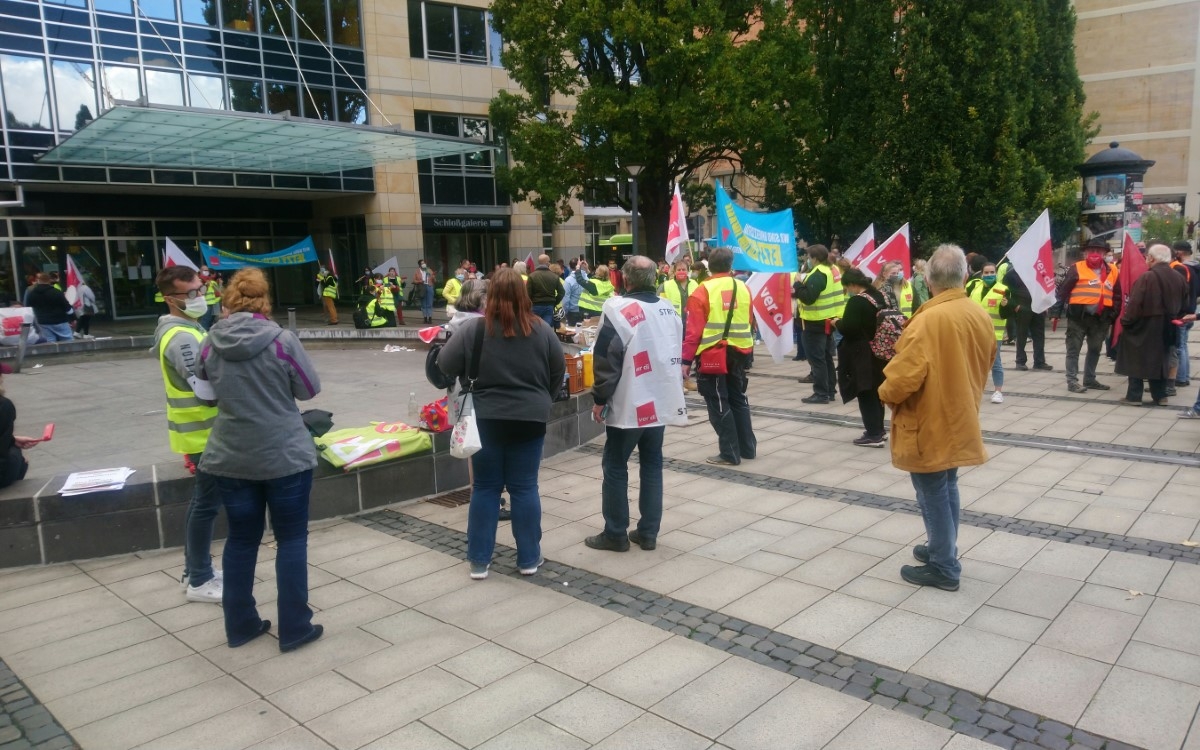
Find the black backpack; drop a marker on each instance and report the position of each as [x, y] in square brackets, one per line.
[433, 373]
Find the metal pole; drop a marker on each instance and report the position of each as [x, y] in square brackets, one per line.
[21, 344]
[634, 198]
[292, 319]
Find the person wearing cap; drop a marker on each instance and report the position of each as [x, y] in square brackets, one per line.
[1087, 295]
[1191, 274]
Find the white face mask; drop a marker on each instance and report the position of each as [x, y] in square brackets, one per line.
[195, 307]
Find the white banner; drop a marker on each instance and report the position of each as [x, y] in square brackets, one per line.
[1033, 260]
[382, 268]
[771, 300]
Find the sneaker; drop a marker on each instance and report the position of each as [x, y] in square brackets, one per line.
[646, 544]
[719, 460]
[531, 571]
[1189, 414]
[869, 441]
[1044, 366]
[1021, 367]
[997, 398]
[209, 591]
[1096, 385]
[1076, 388]
[605, 542]
[479, 571]
[924, 575]
[815, 399]
[183, 578]
[921, 553]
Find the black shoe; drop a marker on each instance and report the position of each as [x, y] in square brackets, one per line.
[1171, 390]
[505, 513]
[1096, 385]
[1076, 388]
[646, 544]
[606, 542]
[815, 399]
[1021, 367]
[870, 441]
[313, 635]
[1044, 366]
[1182, 383]
[263, 627]
[921, 553]
[798, 358]
[924, 575]
[806, 379]
[1135, 401]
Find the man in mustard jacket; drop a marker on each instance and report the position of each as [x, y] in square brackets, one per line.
[934, 385]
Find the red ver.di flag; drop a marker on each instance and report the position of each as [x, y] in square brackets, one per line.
[862, 247]
[677, 234]
[1133, 265]
[771, 300]
[1032, 257]
[74, 279]
[893, 248]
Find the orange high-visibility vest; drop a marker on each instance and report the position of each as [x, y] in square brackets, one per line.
[1089, 290]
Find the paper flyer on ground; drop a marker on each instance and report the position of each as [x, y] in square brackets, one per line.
[97, 480]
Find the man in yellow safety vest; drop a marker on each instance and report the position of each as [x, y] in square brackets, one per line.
[329, 292]
[212, 296]
[190, 416]
[823, 299]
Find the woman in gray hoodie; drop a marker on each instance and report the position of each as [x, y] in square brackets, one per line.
[262, 457]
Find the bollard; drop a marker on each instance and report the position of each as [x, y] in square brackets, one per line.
[21, 344]
[292, 319]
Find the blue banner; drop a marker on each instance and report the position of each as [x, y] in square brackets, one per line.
[217, 259]
[760, 242]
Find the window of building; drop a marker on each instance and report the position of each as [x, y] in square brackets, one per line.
[345, 22]
[312, 23]
[164, 9]
[548, 231]
[207, 92]
[461, 180]
[121, 84]
[452, 33]
[114, 6]
[283, 97]
[352, 107]
[245, 95]
[238, 14]
[201, 12]
[74, 93]
[318, 104]
[275, 17]
[26, 97]
[164, 87]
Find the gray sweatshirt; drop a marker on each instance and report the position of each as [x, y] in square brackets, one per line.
[257, 370]
[182, 353]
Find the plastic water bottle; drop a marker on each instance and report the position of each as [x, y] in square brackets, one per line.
[414, 409]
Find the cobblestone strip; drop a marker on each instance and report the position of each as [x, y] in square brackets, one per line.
[934, 702]
[1021, 526]
[25, 724]
[1087, 447]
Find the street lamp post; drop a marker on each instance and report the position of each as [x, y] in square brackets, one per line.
[634, 170]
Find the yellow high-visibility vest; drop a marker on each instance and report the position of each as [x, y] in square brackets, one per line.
[831, 301]
[189, 420]
[721, 292]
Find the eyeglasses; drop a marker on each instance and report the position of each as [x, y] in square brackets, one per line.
[190, 294]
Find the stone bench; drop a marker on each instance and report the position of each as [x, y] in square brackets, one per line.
[39, 526]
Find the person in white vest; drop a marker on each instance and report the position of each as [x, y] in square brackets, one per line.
[638, 391]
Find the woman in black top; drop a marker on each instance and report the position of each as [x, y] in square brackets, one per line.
[859, 371]
[12, 462]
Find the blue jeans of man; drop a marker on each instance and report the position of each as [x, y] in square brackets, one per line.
[1184, 373]
[198, 526]
[729, 409]
[427, 302]
[246, 503]
[819, 348]
[937, 496]
[513, 465]
[56, 331]
[618, 446]
[546, 313]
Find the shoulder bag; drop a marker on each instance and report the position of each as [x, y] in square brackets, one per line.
[712, 360]
[465, 440]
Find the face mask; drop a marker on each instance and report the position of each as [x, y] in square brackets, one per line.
[1109, 259]
[322, 271]
[422, 265]
[989, 278]
[196, 307]
[460, 276]
[1094, 260]
[898, 277]
[681, 276]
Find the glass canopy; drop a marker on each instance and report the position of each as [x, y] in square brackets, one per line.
[182, 138]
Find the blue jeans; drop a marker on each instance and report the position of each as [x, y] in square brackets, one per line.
[246, 502]
[546, 313]
[198, 526]
[56, 331]
[427, 302]
[618, 446]
[1183, 374]
[937, 495]
[997, 370]
[515, 466]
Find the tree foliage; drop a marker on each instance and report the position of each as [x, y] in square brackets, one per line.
[672, 85]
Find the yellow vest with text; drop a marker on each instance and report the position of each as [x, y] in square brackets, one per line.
[720, 292]
[671, 293]
[331, 290]
[374, 319]
[595, 302]
[992, 301]
[831, 301]
[189, 420]
[906, 300]
[210, 292]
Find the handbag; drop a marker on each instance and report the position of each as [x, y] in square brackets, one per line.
[712, 360]
[465, 440]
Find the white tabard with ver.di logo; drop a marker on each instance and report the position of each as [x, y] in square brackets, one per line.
[650, 392]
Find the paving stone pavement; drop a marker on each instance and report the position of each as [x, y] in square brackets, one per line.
[771, 614]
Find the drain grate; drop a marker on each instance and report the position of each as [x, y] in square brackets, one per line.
[452, 499]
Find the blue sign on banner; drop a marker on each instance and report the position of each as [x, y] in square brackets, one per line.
[760, 242]
[303, 251]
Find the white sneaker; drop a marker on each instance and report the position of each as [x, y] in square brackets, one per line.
[183, 579]
[209, 591]
[997, 398]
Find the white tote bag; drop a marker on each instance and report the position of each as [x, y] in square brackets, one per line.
[464, 440]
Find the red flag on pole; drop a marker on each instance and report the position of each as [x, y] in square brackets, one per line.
[677, 233]
[74, 279]
[529, 266]
[893, 248]
[1133, 265]
[173, 256]
[332, 264]
[863, 246]
[1032, 257]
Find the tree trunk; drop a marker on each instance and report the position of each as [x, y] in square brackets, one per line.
[654, 213]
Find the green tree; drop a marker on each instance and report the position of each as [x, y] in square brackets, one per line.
[667, 84]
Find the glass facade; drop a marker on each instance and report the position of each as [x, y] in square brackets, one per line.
[452, 33]
[462, 180]
[63, 63]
